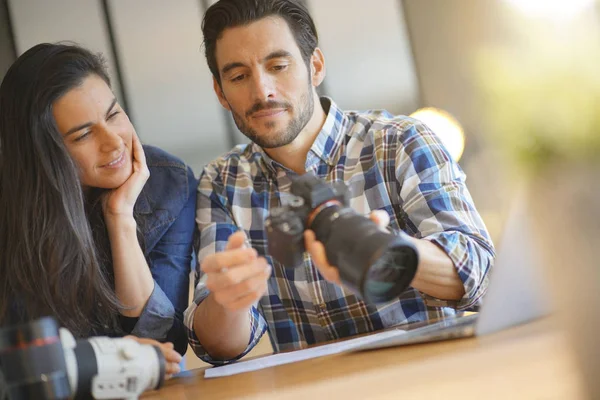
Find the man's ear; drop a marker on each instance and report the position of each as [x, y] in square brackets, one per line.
[220, 95]
[317, 67]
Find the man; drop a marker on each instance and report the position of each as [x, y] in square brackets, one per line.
[266, 67]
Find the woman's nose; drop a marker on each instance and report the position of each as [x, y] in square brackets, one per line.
[110, 139]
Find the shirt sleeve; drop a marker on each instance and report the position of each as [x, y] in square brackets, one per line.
[438, 207]
[215, 225]
[170, 263]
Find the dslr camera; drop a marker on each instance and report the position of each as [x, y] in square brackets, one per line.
[40, 361]
[374, 264]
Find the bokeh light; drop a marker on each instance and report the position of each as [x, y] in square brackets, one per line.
[552, 9]
[446, 127]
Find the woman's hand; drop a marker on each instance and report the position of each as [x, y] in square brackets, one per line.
[119, 202]
[172, 358]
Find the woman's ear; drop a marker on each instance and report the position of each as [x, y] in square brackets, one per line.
[317, 67]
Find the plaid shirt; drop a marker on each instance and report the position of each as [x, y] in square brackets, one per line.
[390, 163]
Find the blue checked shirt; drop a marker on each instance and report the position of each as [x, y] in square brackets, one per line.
[389, 163]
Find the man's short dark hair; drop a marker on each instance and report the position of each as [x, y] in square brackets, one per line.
[233, 13]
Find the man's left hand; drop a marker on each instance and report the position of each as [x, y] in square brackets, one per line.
[317, 250]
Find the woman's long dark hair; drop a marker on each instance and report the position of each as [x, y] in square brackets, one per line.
[54, 252]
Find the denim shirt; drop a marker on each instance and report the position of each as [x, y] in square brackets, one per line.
[166, 215]
[165, 211]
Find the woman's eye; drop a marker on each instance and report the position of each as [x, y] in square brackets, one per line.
[82, 136]
[111, 116]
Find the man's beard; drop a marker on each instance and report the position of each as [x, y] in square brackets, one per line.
[286, 135]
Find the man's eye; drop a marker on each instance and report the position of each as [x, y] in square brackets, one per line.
[279, 67]
[237, 78]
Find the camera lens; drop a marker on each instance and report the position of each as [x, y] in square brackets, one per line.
[375, 264]
[33, 362]
[389, 276]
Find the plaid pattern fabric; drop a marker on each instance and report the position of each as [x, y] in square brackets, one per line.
[390, 163]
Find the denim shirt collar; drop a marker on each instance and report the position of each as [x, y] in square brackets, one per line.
[142, 205]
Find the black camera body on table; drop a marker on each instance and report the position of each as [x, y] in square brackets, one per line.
[374, 264]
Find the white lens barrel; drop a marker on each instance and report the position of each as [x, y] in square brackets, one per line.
[125, 368]
[68, 343]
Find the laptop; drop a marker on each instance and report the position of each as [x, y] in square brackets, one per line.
[516, 292]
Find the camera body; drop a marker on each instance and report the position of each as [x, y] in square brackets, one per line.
[41, 361]
[374, 264]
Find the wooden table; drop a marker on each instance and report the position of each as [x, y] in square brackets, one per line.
[527, 362]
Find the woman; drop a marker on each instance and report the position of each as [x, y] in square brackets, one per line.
[95, 229]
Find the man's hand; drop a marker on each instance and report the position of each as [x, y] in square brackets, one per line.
[317, 250]
[236, 277]
[172, 357]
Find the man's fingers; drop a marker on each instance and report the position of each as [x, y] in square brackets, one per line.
[319, 257]
[380, 217]
[228, 259]
[236, 240]
[234, 276]
[316, 249]
[247, 300]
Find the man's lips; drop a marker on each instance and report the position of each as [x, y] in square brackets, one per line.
[268, 113]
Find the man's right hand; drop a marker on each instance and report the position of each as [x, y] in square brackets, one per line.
[237, 277]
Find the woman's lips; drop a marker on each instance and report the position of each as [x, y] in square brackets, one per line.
[116, 163]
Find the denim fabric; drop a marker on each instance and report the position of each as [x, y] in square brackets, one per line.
[166, 216]
[165, 212]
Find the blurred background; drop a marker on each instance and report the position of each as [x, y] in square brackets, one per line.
[401, 55]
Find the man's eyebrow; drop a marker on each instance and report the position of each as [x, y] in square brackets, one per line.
[275, 54]
[88, 124]
[230, 66]
[278, 54]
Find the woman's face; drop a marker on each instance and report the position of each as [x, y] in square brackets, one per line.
[97, 133]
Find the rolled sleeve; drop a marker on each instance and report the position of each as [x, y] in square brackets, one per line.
[258, 327]
[156, 319]
[472, 261]
[215, 225]
[438, 207]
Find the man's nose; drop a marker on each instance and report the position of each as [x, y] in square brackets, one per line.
[264, 87]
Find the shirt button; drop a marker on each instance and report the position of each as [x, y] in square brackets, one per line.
[322, 306]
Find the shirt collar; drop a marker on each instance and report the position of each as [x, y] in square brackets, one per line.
[326, 144]
[328, 141]
[142, 205]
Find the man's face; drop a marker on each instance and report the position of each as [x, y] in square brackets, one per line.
[264, 81]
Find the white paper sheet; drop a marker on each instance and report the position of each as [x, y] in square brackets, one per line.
[298, 355]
